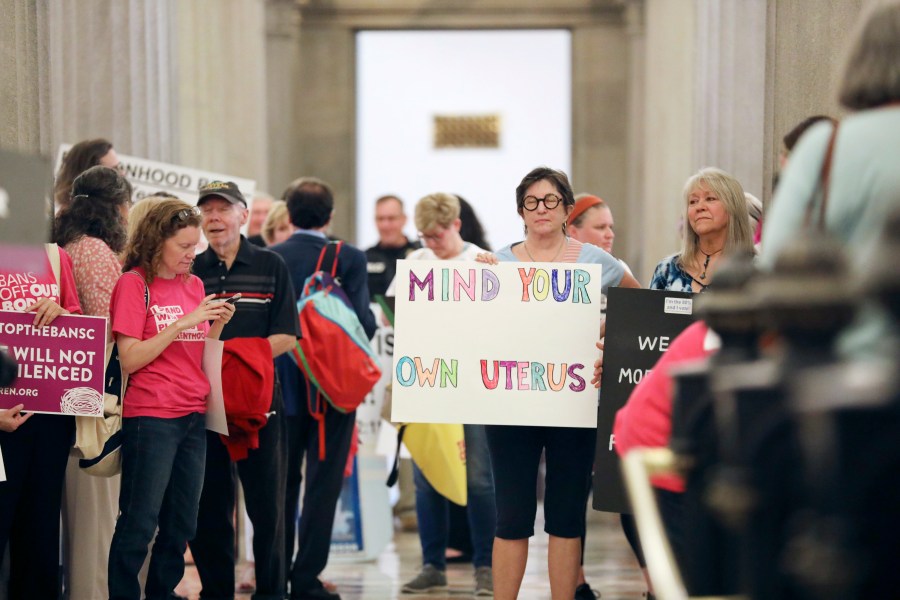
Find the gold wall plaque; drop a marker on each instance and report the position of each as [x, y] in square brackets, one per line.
[473, 131]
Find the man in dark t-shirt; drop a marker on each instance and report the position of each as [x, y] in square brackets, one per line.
[392, 244]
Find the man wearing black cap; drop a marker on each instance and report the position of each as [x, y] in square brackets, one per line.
[266, 309]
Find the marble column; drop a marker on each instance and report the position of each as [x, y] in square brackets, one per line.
[729, 88]
[221, 72]
[324, 110]
[88, 69]
[806, 41]
[631, 249]
[667, 144]
[599, 129]
[283, 74]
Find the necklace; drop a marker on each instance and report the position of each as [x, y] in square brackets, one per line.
[705, 263]
[565, 243]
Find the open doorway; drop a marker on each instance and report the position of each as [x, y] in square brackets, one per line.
[411, 84]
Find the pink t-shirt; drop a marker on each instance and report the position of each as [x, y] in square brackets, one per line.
[646, 419]
[173, 384]
[20, 289]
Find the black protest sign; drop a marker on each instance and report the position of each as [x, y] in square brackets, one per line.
[640, 325]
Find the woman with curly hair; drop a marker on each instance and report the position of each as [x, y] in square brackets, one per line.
[92, 231]
[161, 319]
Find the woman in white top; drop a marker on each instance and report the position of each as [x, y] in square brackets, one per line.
[437, 219]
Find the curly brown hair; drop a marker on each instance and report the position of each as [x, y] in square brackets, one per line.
[98, 196]
[163, 221]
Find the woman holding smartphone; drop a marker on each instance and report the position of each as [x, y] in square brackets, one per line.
[161, 319]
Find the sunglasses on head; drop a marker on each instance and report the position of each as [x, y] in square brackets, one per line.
[186, 213]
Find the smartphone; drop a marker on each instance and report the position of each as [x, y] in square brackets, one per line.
[233, 299]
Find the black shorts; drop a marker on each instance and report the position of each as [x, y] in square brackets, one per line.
[515, 457]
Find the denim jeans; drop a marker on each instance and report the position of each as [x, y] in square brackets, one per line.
[162, 477]
[432, 509]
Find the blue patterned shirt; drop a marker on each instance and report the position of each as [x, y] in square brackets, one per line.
[669, 276]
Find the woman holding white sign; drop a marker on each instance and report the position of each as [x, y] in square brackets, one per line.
[437, 218]
[591, 221]
[163, 425]
[93, 231]
[544, 200]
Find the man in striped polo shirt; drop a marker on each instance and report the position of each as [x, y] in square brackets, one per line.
[266, 309]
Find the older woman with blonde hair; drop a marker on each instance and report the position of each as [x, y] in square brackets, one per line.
[716, 224]
[140, 209]
[277, 226]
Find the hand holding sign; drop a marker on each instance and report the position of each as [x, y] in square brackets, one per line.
[45, 311]
[12, 418]
[487, 258]
[598, 367]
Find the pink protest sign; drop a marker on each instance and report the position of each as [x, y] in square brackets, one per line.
[60, 366]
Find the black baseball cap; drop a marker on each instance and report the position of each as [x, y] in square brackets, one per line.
[223, 189]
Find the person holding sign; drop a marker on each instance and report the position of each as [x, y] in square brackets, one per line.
[437, 219]
[93, 231]
[544, 200]
[716, 224]
[591, 221]
[163, 425]
[35, 449]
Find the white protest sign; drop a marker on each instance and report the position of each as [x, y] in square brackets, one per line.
[148, 177]
[507, 344]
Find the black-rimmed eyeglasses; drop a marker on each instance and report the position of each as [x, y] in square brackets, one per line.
[550, 201]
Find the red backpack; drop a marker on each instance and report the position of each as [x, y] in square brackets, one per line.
[333, 351]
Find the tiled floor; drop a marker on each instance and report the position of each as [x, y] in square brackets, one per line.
[609, 565]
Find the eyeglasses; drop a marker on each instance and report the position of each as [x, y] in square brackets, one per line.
[186, 213]
[433, 237]
[550, 201]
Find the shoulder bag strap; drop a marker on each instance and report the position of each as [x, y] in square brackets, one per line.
[395, 468]
[124, 375]
[823, 182]
[53, 255]
[146, 289]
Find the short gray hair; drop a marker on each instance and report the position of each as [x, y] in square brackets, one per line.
[871, 75]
